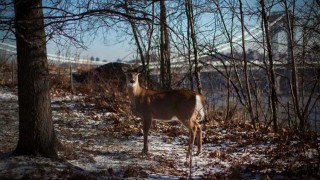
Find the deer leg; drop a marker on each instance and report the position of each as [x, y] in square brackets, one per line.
[192, 132]
[199, 138]
[146, 127]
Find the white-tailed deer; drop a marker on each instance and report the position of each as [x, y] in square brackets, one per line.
[183, 105]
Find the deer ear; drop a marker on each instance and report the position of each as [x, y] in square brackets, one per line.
[125, 69]
[140, 69]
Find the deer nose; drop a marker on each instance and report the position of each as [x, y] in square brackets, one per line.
[132, 81]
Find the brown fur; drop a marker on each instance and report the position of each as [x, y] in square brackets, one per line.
[165, 105]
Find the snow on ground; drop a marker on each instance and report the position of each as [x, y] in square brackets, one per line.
[101, 144]
[6, 95]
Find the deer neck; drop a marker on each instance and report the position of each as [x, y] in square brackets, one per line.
[135, 91]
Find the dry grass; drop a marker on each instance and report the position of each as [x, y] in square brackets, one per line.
[7, 73]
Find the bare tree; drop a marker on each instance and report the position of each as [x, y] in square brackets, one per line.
[165, 65]
[190, 74]
[245, 65]
[36, 132]
[191, 25]
[294, 79]
[270, 67]
[228, 115]
[135, 35]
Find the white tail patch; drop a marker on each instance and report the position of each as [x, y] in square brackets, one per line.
[199, 108]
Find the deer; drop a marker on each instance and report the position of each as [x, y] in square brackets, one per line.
[187, 106]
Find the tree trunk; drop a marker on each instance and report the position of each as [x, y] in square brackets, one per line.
[165, 67]
[189, 47]
[271, 73]
[228, 115]
[150, 35]
[135, 35]
[36, 132]
[294, 78]
[194, 43]
[246, 76]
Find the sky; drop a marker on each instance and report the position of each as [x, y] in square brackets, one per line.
[110, 49]
[110, 52]
[101, 50]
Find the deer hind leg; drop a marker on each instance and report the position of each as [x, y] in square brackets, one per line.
[192, 134]
[146, 127]
[199, 138]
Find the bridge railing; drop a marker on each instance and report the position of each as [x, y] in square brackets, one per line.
[52, 58]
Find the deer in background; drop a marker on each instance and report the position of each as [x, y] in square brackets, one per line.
[184, 105]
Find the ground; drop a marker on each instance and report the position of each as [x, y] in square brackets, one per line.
[100, 144]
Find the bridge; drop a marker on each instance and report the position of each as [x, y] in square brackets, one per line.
[277, 24]
[53, 58]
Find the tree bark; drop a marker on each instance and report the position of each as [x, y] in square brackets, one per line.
[228, 115]
[189, 8]
[150, 35]
[135, 35]
[246, 76]
[189, 47]
[294, 78]
[36, 131]
[165, 67]
[271, 73]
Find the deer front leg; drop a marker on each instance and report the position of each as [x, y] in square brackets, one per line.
[146, 127]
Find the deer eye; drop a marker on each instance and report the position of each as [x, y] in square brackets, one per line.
[132, 81]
